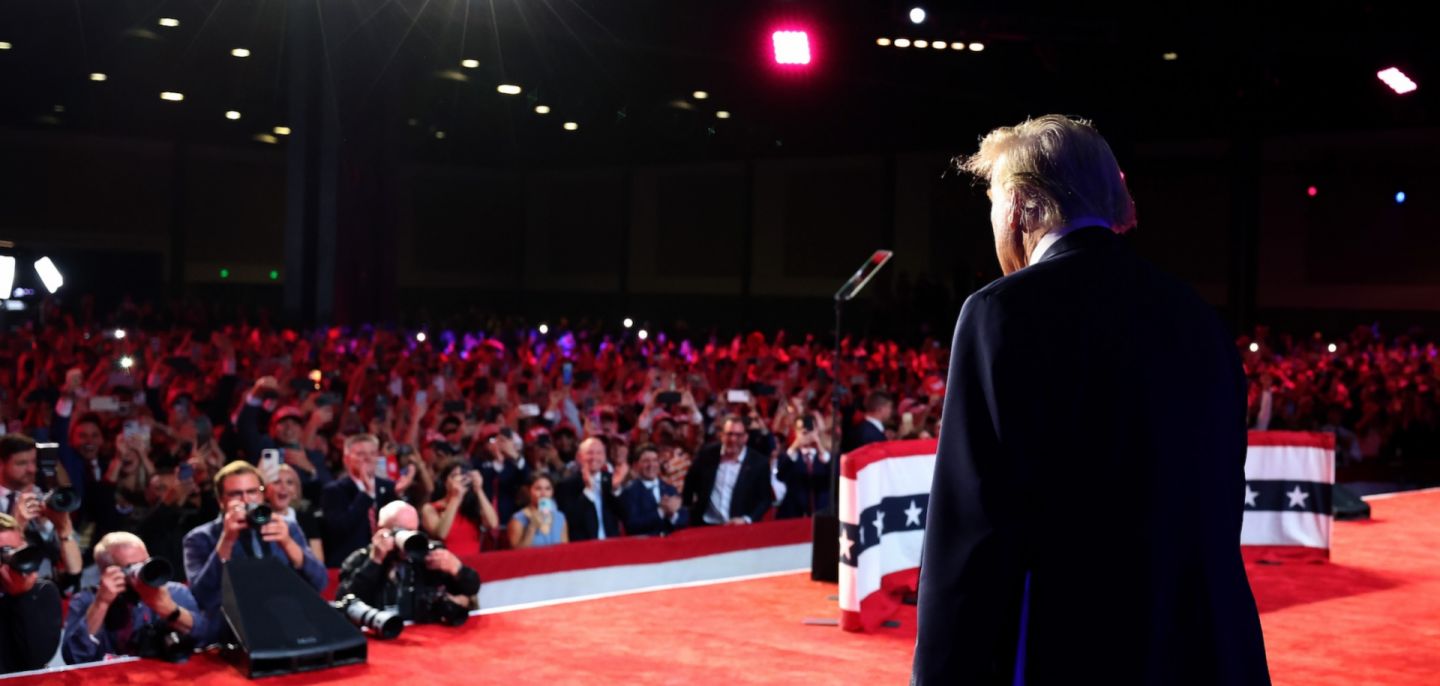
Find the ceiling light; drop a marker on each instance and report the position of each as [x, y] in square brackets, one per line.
[939, 45]
[232, 115]
[169, 23]
[957, 45]
[700, 95]
[49, 275]
[882, 42]
[922, 43]
[722, 114]
[5, 46]
[902, 42]
[282, 130]
[1397, 80]
[977, 47]
[542, 109]
[1170, 56]
[439, 135]
[240, 52]
[7, 274]
[172, 96]
[571, 126]
[266, 138]
[97, 76]
[791, 47]
[508, 89]
[917, 16]
[470, 64]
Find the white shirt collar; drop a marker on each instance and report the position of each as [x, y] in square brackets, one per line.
[1050, 239]
[876, 422]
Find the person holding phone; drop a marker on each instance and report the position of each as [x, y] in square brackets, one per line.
[288, 427]
[541, 523]
[804, 468]
[461, 513]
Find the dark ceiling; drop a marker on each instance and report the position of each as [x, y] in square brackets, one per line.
[624, 71]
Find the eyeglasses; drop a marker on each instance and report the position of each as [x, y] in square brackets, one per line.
[229, 495]
[736, 434]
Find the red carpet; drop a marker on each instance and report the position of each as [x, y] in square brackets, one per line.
[1371, 616]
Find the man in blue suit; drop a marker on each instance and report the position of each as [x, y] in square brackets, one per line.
[651, 506]
[1085, 375]
[209, 546]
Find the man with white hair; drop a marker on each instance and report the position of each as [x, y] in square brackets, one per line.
[381, 574]
[110, 620]
[1085, 375]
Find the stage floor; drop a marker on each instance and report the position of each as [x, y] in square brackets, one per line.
[1371, 616]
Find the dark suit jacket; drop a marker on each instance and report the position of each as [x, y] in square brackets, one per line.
[580, 510]
[346, 516]
[807, 486]
[641, 510]
[752, 494]
[1089, 378]
[29, 627]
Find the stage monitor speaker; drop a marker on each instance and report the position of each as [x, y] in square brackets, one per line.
[1346, 505]
[825, 548]
[281, 622]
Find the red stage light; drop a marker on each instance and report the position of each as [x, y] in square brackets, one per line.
[791, 47]
[1312, 191]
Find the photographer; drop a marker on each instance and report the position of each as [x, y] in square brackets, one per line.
[424, 584]
[126, 615]
[461, 514]
[39, 523]
[29, 607]
[242, 531]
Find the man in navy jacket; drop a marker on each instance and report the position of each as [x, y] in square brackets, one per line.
[350, 504]
[651, 506]
[1084, 520]
[210, 546]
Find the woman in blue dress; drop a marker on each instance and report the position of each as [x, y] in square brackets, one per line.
[540, 523]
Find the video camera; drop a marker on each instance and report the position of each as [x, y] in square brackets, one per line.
[429, 603]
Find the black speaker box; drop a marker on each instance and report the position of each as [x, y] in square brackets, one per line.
[281, 624]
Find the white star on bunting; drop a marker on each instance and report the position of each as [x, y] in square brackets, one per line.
[912, 515]
[1250, 496]
[879, 524]
[845, 543]
[1297, 497]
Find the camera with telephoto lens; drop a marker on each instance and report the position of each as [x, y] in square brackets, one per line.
[154, 572]
[26, 559]
[257, 514]
[385, 623]
[62, 499]
[429, 601]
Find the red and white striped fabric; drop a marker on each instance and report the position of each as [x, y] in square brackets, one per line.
[884, 494]
[1289, 476]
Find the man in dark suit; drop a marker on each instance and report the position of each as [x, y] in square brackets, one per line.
[591, 497]
[211, 545]
[651, 507]
[1084, 375]
[804, 468]
[879, 407]
[728, 483]
[349, 504]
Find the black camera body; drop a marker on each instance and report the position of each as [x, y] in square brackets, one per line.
[26, 559]
[429, 602]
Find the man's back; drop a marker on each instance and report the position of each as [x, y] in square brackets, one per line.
[1092, 451]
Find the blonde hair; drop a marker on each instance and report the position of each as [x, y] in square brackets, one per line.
[1059, 169]
[352, 441]
[8, 523]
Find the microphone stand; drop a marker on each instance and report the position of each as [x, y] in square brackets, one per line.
[825, 550]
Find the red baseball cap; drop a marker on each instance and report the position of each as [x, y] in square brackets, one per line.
[935, 385]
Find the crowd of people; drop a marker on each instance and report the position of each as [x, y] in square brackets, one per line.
[355, 440]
